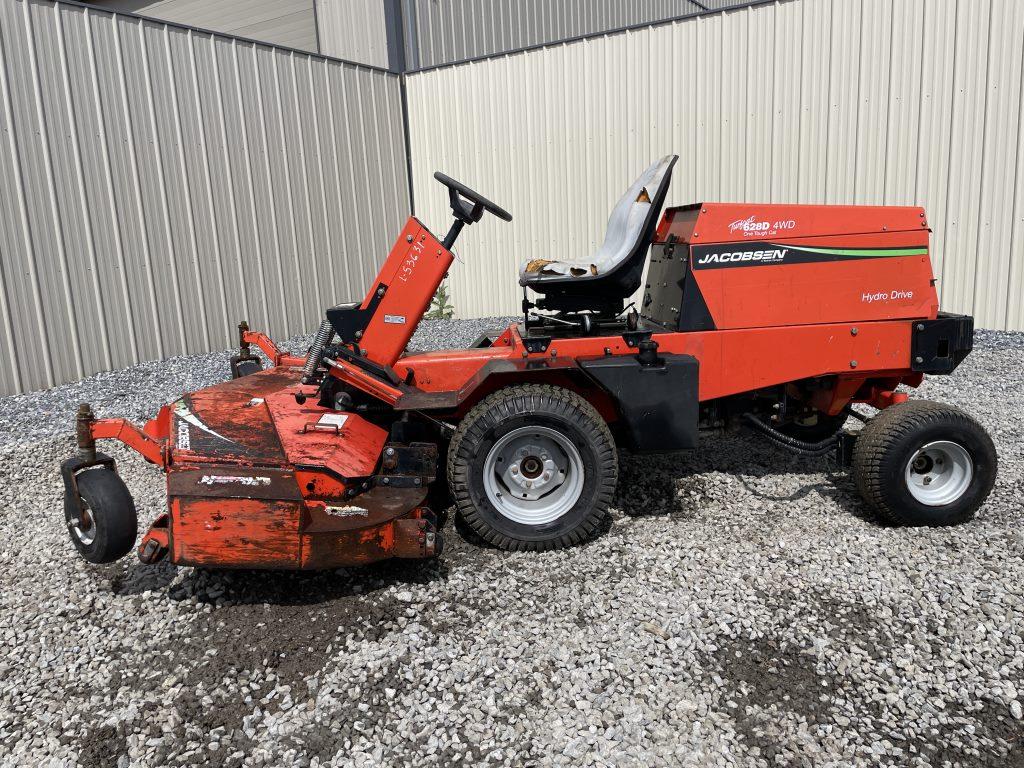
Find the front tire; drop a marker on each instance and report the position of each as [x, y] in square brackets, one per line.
[924, 463]
[105, 528]
[533, 467]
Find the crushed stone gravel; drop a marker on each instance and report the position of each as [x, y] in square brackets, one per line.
[741, 609]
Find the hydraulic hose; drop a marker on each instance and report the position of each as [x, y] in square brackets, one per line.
[791, 443]
[324, 336]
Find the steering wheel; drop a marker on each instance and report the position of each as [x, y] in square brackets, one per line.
[462, 209]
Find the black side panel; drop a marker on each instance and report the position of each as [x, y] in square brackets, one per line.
[940, 345]
[695, 315]
[673, 298]
[658, 403]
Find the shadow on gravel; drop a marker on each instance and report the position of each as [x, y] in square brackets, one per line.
[675, 484]
[238, 587]
[263, 629]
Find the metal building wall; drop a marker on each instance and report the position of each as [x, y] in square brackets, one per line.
[810, 101]
[441, 31]
[282, 22]
[353, 29]
[158, 184]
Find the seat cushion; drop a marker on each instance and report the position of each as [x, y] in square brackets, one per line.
[626, 227]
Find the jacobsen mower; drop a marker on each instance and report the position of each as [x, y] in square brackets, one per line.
[773, 317]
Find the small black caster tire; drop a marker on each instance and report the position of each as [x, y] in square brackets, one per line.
[921, 463]
[109, 525]
[533, 467]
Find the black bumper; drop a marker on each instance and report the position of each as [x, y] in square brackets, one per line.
[940, 345]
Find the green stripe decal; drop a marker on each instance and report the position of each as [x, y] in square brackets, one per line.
[868, 252]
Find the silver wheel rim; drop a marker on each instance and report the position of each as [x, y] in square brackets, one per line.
[533, 475]
[939, 473]
[83, 528]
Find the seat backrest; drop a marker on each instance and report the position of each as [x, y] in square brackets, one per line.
[633, 219]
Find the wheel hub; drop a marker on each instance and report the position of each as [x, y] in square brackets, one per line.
[84, 527]
[939, 473]
[533, 475]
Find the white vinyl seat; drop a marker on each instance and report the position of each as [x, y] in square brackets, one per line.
[615, 269]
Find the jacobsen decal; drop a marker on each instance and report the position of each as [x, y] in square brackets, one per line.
[735, 255]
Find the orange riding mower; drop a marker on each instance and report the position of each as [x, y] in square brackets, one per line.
[777, 318]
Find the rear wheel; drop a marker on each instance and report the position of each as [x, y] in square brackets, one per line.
[533, 467]
[105, 527]
[924, 463]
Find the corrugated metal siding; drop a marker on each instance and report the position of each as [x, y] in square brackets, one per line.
[354, 30]
[158, 184]
[441, 31]
[812, 101]
[282, 22]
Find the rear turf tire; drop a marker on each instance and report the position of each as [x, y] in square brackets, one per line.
[583, 469]
[108, 525]
[918, 440]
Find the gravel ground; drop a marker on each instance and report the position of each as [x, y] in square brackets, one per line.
[741, 609]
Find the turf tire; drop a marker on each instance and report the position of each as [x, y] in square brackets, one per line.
[532, 405]
[889, 441]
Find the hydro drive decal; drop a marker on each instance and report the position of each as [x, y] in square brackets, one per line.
[737, 255]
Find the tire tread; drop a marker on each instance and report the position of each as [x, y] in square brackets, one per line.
[513, 401]
[883, 433]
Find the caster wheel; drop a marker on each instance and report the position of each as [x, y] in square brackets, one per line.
[105, 528]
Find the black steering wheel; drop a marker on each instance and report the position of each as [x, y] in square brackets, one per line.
[462, 209]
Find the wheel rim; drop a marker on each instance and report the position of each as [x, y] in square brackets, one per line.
[533, 475]
[939, 473]
[83, 527]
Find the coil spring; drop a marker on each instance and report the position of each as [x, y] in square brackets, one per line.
[323, 337]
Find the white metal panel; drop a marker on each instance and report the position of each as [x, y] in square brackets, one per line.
[814, 101]
[158, 184]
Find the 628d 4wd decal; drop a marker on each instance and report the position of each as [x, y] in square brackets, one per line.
[734, 255]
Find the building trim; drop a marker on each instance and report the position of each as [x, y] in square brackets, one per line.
[594, 35]
[228, 35]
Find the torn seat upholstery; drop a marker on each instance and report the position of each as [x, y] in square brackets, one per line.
[615, 270]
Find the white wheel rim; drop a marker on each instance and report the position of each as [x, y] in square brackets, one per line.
[533, 475]
[939, 473]
[83, 528]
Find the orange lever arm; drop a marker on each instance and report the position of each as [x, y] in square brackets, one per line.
[152, 449]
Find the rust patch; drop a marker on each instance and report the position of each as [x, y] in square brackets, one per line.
[250, 533]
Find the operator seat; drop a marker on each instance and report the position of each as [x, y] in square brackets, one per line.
[603, 281]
